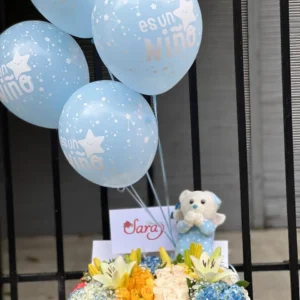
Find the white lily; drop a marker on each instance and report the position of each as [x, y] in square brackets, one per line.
[114, 275]
[208, 268]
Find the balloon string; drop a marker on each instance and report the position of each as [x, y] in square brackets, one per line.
[154, 99]
[134, 194]
[163, 169]
[160, 206]
[111, 75]
[143, 205]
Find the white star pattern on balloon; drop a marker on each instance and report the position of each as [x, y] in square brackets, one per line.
[185, 12]
[92, 144]
[19, 64]
[153, 6]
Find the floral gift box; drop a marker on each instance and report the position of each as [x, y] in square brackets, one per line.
[195, 275]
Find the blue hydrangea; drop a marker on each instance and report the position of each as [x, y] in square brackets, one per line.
[219, 291]
[151, 262]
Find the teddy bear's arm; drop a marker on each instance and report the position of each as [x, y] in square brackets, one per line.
[207, 228]
[183, 227]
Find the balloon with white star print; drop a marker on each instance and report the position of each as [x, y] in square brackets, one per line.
[108, 133]
[147, 45]
[40, 68]
[19, 64]
[91, 144]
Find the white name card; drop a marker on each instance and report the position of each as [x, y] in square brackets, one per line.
[134, 228]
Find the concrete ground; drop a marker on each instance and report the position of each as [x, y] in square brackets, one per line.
[38, 255]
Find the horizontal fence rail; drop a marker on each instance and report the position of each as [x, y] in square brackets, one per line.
[52, 276]
[247, 267]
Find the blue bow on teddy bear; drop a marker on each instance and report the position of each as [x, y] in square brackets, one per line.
[197, 219]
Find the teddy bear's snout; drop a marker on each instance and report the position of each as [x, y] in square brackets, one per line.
[195, 206]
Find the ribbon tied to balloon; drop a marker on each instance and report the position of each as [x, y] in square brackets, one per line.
[147, 45]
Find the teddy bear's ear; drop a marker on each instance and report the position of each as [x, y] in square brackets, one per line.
[216, 199]
[219, 219]
[183, 195]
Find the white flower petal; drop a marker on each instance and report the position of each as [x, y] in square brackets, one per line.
[214, 265]
[196, 262]
[105, 280]
[116, 280]
[104, 267]
[222, 275]
[120, 264]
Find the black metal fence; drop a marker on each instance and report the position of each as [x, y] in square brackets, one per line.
[10, 14]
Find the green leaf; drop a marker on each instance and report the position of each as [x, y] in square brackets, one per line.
[190, 282]
[162, 266]
[243, 284]
[179, 258]
[127, 258]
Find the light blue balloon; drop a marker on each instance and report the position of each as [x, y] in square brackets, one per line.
[109, 134]
[149, 45]
[40, 68]
[72, 16]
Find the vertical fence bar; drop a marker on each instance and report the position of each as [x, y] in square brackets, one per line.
[2, 28]
[289, 147]
[8, 188]
[1, 263]
[150, 196]
[193, 91]
[9, 204]
[103, 190]
[58, 214]
[242, 140]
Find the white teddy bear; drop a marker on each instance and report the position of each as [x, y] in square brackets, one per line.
[197, 219]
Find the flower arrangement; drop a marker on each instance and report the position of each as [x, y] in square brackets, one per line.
[192, 276]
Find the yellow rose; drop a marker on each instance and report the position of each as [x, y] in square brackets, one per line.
[134, 294]
[137, 272]
[123, 294]
[131, 284]
[150, 282]
[140, 283]
[147, 293]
